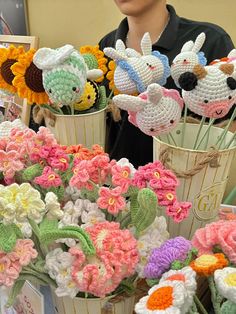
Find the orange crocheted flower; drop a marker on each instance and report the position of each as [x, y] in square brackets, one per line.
[94, 56]
[28, 79]
[8, 57]
[160, 299]
[206, 264]
[83, 153]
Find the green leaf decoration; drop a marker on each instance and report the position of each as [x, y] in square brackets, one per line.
[31, 172]
[59, 191]
[127, 287]
[7, 238]
[176, 265]
[152, 282]
[143, 209]
[17, 231]
[103, 98]
[90, 195]
[228, 307]
[48, 225]
[48, 236]
[125, 221]
[15, 290]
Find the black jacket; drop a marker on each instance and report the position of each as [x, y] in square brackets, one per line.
[123, 138]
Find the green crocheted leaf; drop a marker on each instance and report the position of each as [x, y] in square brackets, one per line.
[143, 209]
[31, 172]
[90, 195]
[7, 238]
[59, 191]
[17, 231]
[15, 290]
[70, 232]
[102, 98]
[48, 225]
[228, 307]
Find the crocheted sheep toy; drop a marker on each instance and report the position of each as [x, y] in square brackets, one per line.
[154, 112]
[189, 56]
[64, 74]
[209, 91]
[134, 72]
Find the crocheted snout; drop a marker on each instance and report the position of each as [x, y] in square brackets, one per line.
[217, 109]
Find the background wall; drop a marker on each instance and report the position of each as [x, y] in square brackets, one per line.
[81, 22]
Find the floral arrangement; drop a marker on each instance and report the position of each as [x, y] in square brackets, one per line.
[173, 268]
[73, 219]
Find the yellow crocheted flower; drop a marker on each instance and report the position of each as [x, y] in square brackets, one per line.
[207, 264]
[110, 77]
[9, 56]
[89, 96]
[28, 79]
[94, 56]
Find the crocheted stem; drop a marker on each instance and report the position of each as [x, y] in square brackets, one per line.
[223, 134]
[53, 110]
[37, 233]
[199, 305]
[228, 307]
[15, 290]
[125, 220]
[230, 141]
[230, 197]
[72, 109]
[184, 125]
[215, 297]
[44, 278]
[206, 133]
[199, 131]
[172, 138]
[208, 136]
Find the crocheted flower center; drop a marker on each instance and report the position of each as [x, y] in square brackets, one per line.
[51, 177]
[206, 260]
[111, 201]
[2, 268]
[230, 280]
[157, 174]
[63, 160]
[160, 299]
[34, 78]
[6, 72]
[5, 164]
[19, 139]
[170, 196]
[178, 277]
[125, 174]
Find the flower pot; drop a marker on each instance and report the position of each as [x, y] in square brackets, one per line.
[202, 174]
[108, 305]
[87, 129]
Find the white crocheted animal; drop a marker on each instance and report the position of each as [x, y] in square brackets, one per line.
[209, 91]
[189, 56]
[155, 111]
[134, 72]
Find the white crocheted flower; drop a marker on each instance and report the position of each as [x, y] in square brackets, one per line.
[151, 238]
[92, 217]
[124, 162]
[164, 298]
[225, 280]
[53, 207]
[72, 193]
[58, 264]
[25, 229]
[72, 213]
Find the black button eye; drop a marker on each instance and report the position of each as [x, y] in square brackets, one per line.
[205, 101]
[230, 97]
[89, 97]
[74, 89]
[172, 121]
[50, 91]
[185, 60]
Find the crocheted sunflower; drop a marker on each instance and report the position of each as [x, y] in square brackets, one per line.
[110, 77]
[28, 79]
[94, 59]
[89, 97]
[8, 57]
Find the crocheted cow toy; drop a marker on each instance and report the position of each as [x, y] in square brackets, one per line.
[154, 112]
[134, 72]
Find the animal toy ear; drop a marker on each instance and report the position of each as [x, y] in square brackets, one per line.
[132, 53]
[120, 46]
[146, 44]
[188, 81]
[154, 92]
[231, 82]
[232, 54]
[47, 58]
[187, 46]
[114, 54]
[199, 42]
[199, 71]
[128, 102]
[94, 74]
[227, 68]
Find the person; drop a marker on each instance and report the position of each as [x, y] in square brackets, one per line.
[168, 32]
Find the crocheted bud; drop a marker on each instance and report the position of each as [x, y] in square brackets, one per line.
[31, 172]
[188, 81]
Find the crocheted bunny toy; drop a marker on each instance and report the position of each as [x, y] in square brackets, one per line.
[209, 91]
[64, 74]
[155, 111]
[189, 56]
[134, 72]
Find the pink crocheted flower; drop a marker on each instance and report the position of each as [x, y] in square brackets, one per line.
[9, 271]
[121, 177]
[3, 143]
[60, 161]
[222, 234]
[45, 137]
[163, 179]
[111, 199]
[179, 210]
[48, 178]
[82, 175]
[23, 252]
[165, 197]
[10, 163]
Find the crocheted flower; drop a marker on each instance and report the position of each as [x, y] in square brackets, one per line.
[92, 217]
[222, 234]
[23, 252]
[48, 178]
[111, 199]
[28, 79]
[81, 175]
[164, 298]
[94, 59]
[59, 161]
[121, 176]
[53, 207]
[161, 258]
[166, 197]
[10, 163]
[152, 237]
[8, 56]
[225, 280]
[59, 265]
[206, 264]
[9, 271]
[110, 77]
[124, 162]
[179, 210]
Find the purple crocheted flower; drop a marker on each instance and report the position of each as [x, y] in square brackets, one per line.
[161, 258]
